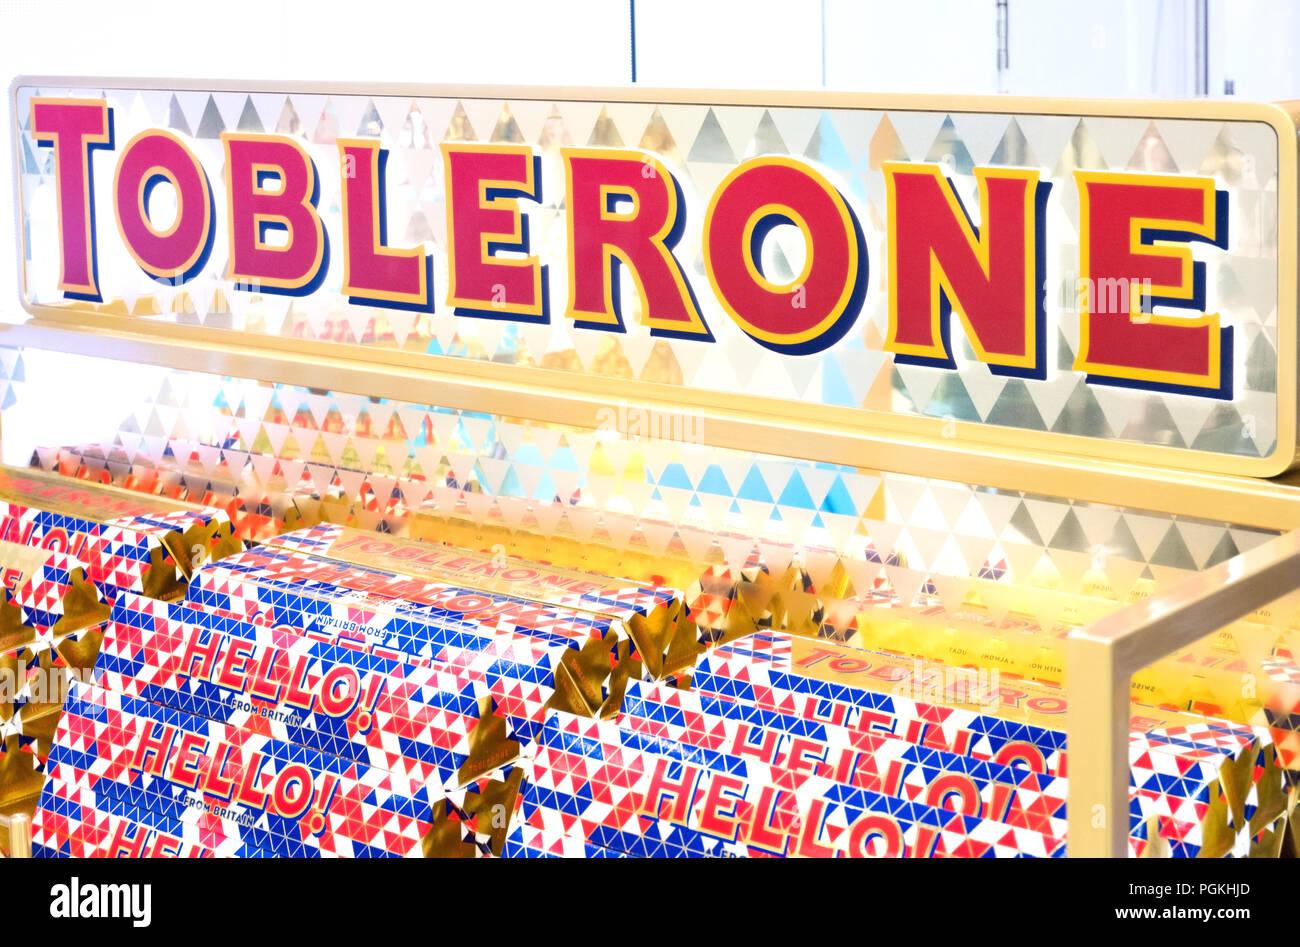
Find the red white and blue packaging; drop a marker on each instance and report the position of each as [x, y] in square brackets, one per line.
[493, 592]
[128, 541]
[517, 672]
[71, 822]
[412, 720]
[290, 797]
[652, 797]
[1183, 769]
[441, 630]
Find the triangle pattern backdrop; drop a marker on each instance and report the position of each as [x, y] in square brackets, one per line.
[893, 537]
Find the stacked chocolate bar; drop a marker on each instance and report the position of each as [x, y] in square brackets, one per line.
[340, 693]
[68, 550]
[773, 752]
[415, 682]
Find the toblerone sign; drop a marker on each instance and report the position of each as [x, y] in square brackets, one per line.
[1163, 276]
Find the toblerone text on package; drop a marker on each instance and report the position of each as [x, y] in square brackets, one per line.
[127, 540]
[652, 617]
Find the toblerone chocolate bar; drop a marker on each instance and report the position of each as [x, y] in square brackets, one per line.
[846, 678]
[165, 820]
[220, 828]
[825, 681]
[651, 617]
[230, 832]
[654, 797]
[415, 619]
[1205, 677]
[430, 723]
[241, 779]
[943, 706]
[256, 511]
[414, 716]
[863, 758]
[869, 759]
[1281, 689]
[127, 540]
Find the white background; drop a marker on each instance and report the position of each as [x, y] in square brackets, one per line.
[1135, 48]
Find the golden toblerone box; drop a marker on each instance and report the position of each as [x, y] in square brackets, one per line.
[674, 567]
[1021, 630]
[655, 621]
[1208, 677]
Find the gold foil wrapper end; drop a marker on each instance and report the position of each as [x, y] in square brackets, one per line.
[490, 745]
[494, 806]
[446, 837]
